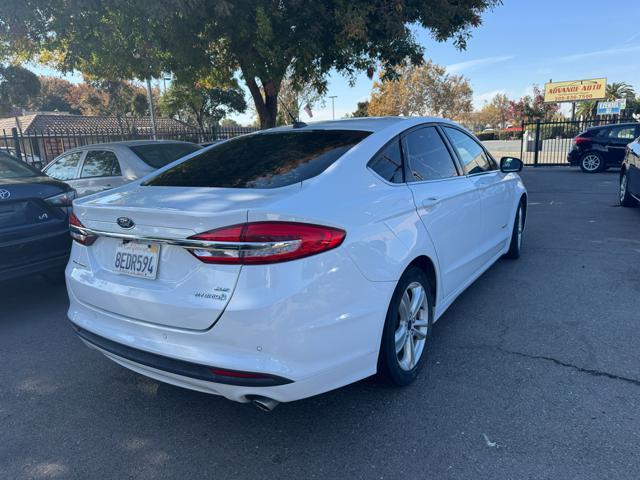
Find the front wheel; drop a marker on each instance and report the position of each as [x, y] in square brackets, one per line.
[592, 162]
[626, 200]
[516, 234]
[407, 329]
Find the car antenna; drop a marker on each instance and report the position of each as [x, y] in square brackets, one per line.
[296, 123]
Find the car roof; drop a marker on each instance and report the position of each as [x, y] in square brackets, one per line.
[371, 124]
[129, 143]
[597, 127]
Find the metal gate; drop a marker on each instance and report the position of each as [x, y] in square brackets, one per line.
[547, 143]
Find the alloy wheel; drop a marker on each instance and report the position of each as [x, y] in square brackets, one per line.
[413, 326]
[591, 162]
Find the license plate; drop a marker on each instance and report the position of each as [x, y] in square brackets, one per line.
[137, 259]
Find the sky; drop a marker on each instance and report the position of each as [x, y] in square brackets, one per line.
[520, 43]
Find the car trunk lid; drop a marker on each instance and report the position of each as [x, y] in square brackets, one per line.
[186, 293]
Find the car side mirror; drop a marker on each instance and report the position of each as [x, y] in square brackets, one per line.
[510, 164]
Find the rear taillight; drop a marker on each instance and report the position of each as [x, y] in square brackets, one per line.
[63, 199]
[581, 140]
[78, 233]
[258, 243]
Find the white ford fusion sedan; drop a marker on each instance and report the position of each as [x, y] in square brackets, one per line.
[290, 262]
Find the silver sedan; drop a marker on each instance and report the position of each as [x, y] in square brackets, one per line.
[93, 168]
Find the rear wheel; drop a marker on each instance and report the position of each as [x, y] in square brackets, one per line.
[592, 162]
[626, 200]
[407, 329]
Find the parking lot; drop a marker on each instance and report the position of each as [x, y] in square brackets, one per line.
[534, 373]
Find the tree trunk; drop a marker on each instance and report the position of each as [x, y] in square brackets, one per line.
[265, 100]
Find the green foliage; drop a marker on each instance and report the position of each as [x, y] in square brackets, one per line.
[362, 110]
[261, 39]
[229, 123]
[292, 99]
[201, 103]
[17, 87]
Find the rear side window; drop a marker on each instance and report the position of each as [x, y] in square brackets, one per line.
[626, 132]
[267, 160]
[66, 167]
[388, 162]
[472, 155]
[100, 163]
[158, 155]
[11, 167]
[428, 156]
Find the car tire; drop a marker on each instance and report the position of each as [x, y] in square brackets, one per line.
[592, 162]
[626, 200]
[515, 245]
[407, 330]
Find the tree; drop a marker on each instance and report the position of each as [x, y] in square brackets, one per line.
[362, 109]
[422, 90]
[18, 86]
[532, 107]
[263, 40]
[53, 96]
[619, 90]
[295, 97]
[495, 113]
[229, 123]
[201, 102]
[116, 98]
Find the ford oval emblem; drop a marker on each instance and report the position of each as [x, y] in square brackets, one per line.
[4, 194]
[125, 222]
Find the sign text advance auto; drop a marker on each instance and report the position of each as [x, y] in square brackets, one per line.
[575, 90]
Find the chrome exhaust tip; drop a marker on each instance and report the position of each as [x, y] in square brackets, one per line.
[263, 403]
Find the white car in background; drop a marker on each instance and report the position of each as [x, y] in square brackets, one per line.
[293, 261]
[93, 168]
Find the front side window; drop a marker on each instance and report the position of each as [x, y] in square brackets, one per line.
[388, 162]
[473, 157]
[100, 163]
[66, 167]
[427, 156]
[158, 155]
[264, 160]
[11, 167]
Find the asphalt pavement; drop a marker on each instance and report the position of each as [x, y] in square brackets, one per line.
[534, 373]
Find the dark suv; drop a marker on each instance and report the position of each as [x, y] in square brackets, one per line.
[598, 148]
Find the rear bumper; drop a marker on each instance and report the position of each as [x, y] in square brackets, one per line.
[168, 365]
[49, 264]
[573, 157]
[313, 332]
[24, 253]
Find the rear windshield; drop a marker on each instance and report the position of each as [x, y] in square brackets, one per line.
[267, 160]
[13, 168]
[158, 155]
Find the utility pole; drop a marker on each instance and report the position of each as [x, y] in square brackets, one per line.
[333, 106]
[152, 110]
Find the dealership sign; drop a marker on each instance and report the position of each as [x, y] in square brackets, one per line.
[611, 108]
[575, 90]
